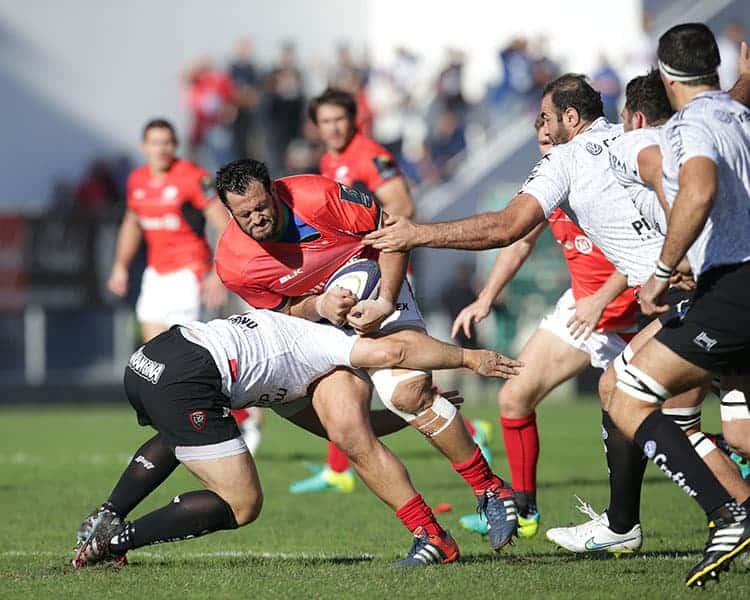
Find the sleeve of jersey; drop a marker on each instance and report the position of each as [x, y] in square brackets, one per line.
[548, 182]
[323, 347]
[690, 140]
[381, 168]
[205, 191]
[353, 211]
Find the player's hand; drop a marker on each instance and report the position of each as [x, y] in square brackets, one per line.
[476, 312]
[118, 280]
[399, 235]
[335, 304]
[682, 281]
[368, 315]
[214, 293]
[744, 60]
[650, 297]
[588, 311]
[491, 364]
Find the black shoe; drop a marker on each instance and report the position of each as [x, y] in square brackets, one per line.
[728, 536]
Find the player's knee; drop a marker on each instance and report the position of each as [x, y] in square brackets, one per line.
[515, 402]
[413, 395]
[353, 439]
[607, 385]
[737, 435]
[245, 504]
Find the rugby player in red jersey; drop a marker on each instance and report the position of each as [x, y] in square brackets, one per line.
[353, 159]
[287, 238]
[591, 324]
[169, 200]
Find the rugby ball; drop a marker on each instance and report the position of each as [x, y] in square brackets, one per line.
[360, 276]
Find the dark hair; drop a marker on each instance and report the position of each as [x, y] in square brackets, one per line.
[646, 94]
[573, 91]
[538, 123]
[336, 97]
[159, 124]
[236, 177]
[691, 48]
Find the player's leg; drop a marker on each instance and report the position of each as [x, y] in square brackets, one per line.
[735, 416]
[410, 394]
[335, 474]
[654, 373]
[342, 402]
[250, 422]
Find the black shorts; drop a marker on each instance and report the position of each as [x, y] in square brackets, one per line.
[175, 387]
[678, 301]
[714, 332]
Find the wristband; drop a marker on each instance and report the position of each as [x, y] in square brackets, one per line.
[662, 271]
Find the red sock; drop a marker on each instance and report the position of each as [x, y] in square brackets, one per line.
[477, 472]
[522, 448]
[470, 427]
[415, 513]
[240, 414]
[337, 460]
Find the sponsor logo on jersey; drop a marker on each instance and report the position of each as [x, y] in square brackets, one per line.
[583, 244]
[169, 194]
[169, 222]
[142, 365]
[722, 116]
[704, 341]
[198, 419]
[242, 321]
[355, 196]
[593, 148]
[290, 276]
[342, 174]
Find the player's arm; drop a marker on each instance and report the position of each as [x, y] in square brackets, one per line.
[422, 352]
[589, 309]
[480, 232]
[697, 181]
[508, 262]
[649, 168]
[333, 305]
[128, 240]
[741, 89]
[395, 198]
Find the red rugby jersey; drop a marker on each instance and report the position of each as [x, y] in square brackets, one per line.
[265, 274]
[363, 164]
[170, 211]
[589, 269]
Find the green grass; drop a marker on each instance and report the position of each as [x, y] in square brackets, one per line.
[55, 465]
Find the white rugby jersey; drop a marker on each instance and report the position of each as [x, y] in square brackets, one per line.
[623, 159]
[267, 358]
[713, 125]
[577, 177]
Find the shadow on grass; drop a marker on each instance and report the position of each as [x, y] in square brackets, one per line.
[558, 556]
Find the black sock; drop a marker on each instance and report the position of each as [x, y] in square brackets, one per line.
[626, 465]
[189, 515]
[151, 464]
[670, 450]
[525, 502]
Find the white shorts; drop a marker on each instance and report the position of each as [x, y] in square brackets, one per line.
[601, 346]
[169, 298]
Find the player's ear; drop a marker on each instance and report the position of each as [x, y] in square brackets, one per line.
[572, 117]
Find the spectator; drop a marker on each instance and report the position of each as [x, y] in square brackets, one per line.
[517, 77]
[458, 293]
[247, 81]
[286, 103]
[97, 191]
[445, 143]
[729, 49]
[607, 82]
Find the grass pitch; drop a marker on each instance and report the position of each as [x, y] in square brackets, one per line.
[55, 465]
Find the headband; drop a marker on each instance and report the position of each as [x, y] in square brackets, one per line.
[677, 75]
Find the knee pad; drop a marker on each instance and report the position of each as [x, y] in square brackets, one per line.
[385, 382]
[641, 386]
[623, 359]
[434, 420]
[701, 443]
[685, 418]
[733, 405]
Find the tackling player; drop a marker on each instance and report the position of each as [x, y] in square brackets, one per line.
[169, 200]
[286, 240]
[590, 325]
[184, 382]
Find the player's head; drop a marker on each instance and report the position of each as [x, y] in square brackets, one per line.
[159, 144]
[569, 103]
[542, 139]
[334, 112]
[244, 187]
[646, 102]
[688, 56]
